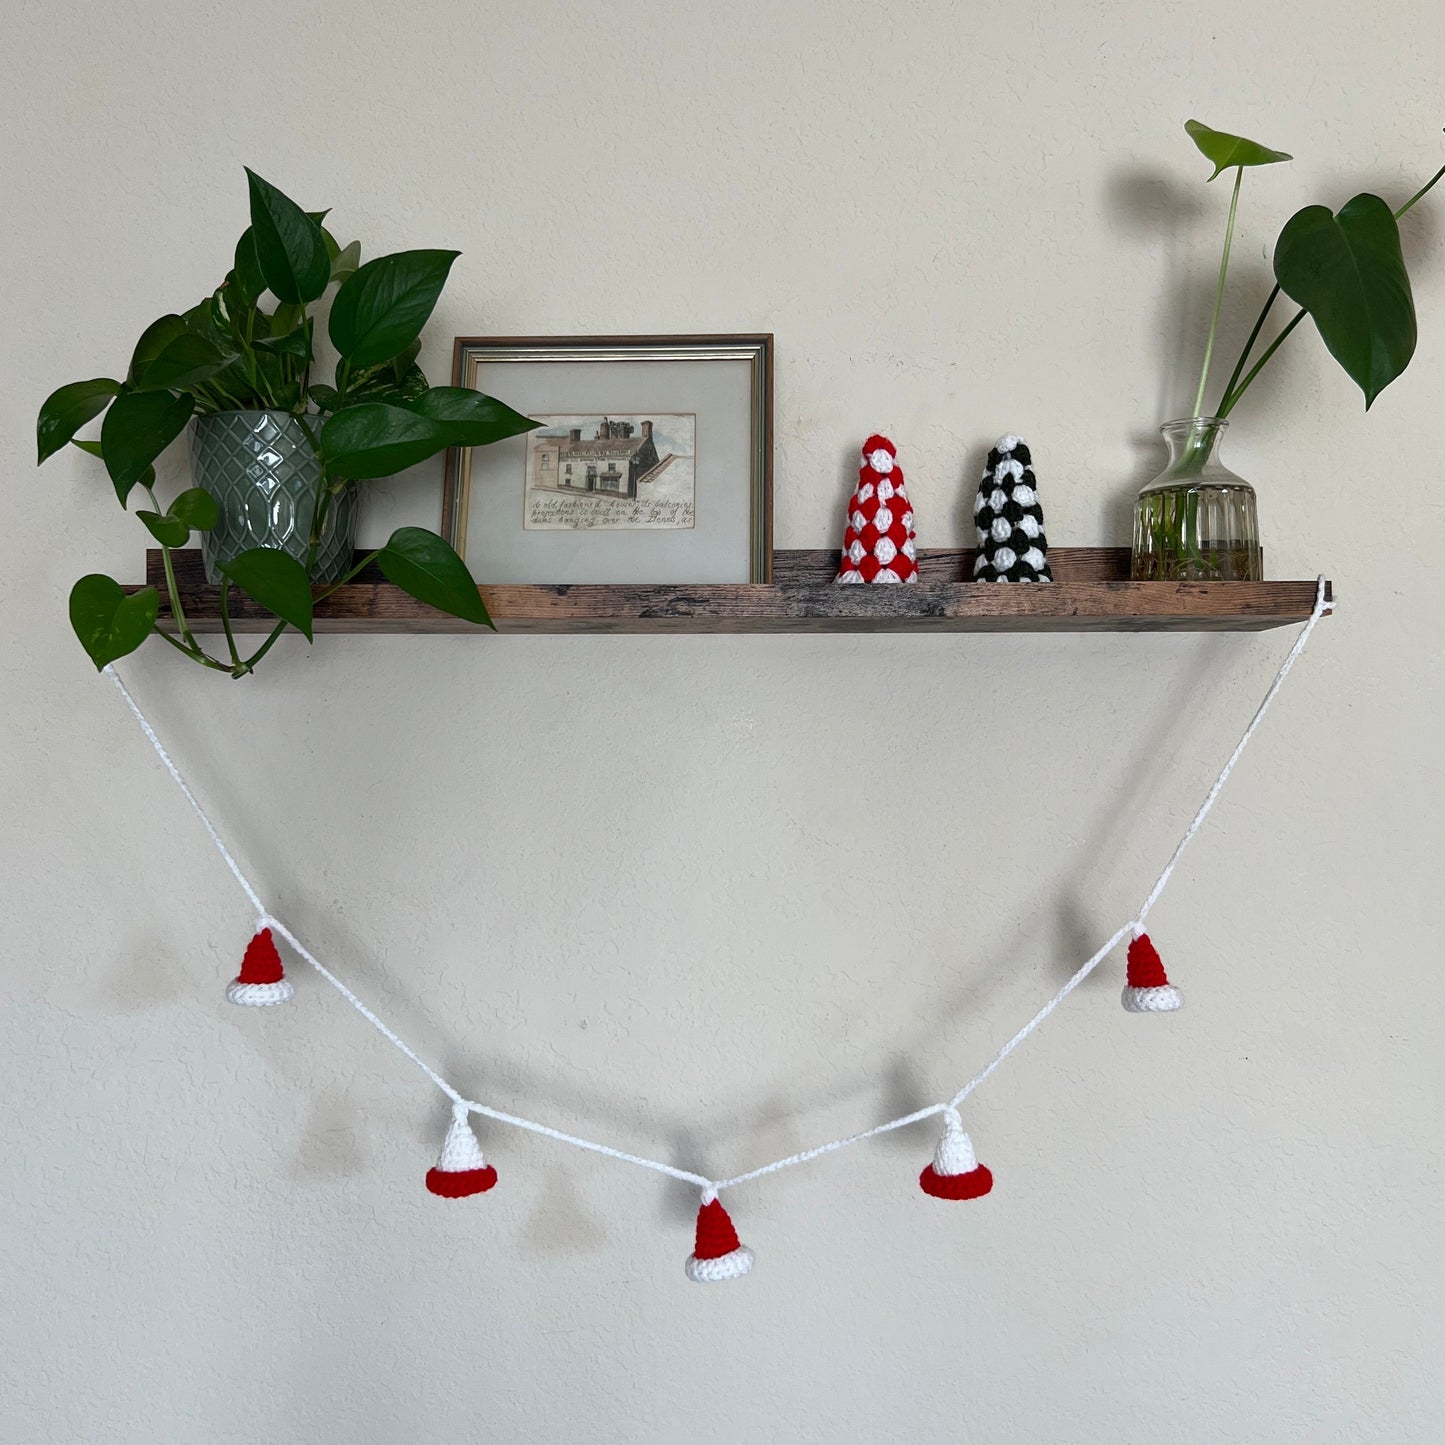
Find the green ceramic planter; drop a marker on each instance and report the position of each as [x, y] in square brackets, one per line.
[262, 471]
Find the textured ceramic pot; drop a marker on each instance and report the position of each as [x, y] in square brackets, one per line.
[261, 469]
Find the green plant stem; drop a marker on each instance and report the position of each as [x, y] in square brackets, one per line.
[226, 621]
[1248, 345]
[174, 594]
[250, 663]
[194, 653]
[1227, 403]
[172, 590]
[1422, 192]
[361, 566]
[1218, 292]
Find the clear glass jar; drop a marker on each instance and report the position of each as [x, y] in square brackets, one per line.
[1196, 521]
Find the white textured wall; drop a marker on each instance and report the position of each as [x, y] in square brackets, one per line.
[827, 876]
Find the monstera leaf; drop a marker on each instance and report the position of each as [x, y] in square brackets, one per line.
[1227, 151]
[1347, 271]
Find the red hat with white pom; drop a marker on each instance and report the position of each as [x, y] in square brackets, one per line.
[262, 980]
[718, 1253]
[1148, 990]
[955, 1172]
[461, 1170]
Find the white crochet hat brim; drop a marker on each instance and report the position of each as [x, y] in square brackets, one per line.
[1152, 1000]
[260, 995]
[733, 1265]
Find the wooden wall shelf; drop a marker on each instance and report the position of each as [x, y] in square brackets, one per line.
[1092, 593]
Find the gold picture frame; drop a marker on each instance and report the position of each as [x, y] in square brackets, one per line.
[727, 394]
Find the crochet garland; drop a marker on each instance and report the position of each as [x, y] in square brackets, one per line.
[954, 1174]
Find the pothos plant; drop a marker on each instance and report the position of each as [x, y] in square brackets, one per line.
[1344, 269]
[251, 345]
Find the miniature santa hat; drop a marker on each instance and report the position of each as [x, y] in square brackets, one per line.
[879, 542]
[461, 1170]
[1148, 990]
[955, 1172]
[262, 980]
[718, 1254]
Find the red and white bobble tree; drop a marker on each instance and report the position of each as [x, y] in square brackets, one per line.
[879, 543]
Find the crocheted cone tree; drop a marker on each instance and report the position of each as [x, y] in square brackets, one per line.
[1011, 542]
[879, 543]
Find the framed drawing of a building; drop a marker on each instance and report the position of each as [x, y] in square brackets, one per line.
[652, 463]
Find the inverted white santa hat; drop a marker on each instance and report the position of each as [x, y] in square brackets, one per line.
[955, 1172]
[461, 1170]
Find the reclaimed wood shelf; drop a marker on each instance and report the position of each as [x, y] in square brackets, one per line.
[1091, 592]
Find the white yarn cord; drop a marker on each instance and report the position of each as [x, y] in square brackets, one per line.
[710, 1187]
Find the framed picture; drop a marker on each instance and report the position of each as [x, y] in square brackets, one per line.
[653, 462]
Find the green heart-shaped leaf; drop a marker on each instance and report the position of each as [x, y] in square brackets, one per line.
[138, 427]
[168, 531]
[469, 418]
[184, 360]
[290, 248]
[426, 568]
[201, 320]
[154, 340]
[250, 280]
[346, 262]
[294, 343]
[376, 439]
[147, 477]
[1227, 151]
[382, 308]
[277, 581]
[68, 409]
[197, 508]
[1348, 272]
[108, 623]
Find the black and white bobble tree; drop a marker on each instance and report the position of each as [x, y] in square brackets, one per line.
[1011, 542]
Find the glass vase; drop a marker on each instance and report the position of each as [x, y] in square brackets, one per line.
[1196, 521]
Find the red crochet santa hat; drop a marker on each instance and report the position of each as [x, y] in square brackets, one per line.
[262, 980]
[718, 1253]
[1148, 990]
